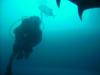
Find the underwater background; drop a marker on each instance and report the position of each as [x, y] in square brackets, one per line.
[70, 46]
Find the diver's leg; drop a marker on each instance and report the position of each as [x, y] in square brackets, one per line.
[27, 52]
[10, 62]
[19, 55]
[18, 50]
[9, 65]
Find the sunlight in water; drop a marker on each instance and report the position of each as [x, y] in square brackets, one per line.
[65, 17]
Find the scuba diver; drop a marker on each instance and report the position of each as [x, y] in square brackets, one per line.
[27, 36]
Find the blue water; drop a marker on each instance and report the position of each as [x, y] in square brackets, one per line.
[69, 46]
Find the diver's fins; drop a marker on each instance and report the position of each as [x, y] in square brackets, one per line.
[58, 2]
[80, 11]
[83, 5]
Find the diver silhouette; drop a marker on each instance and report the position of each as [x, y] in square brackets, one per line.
[27, 36]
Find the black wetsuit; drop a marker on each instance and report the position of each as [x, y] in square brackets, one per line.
[26, 38]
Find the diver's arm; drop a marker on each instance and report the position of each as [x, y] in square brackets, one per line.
[37, 38]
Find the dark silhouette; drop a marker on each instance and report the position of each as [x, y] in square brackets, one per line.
[83, 4]
[27, 36]
[58, 2]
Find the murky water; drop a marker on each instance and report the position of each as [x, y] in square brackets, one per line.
[69, 46]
